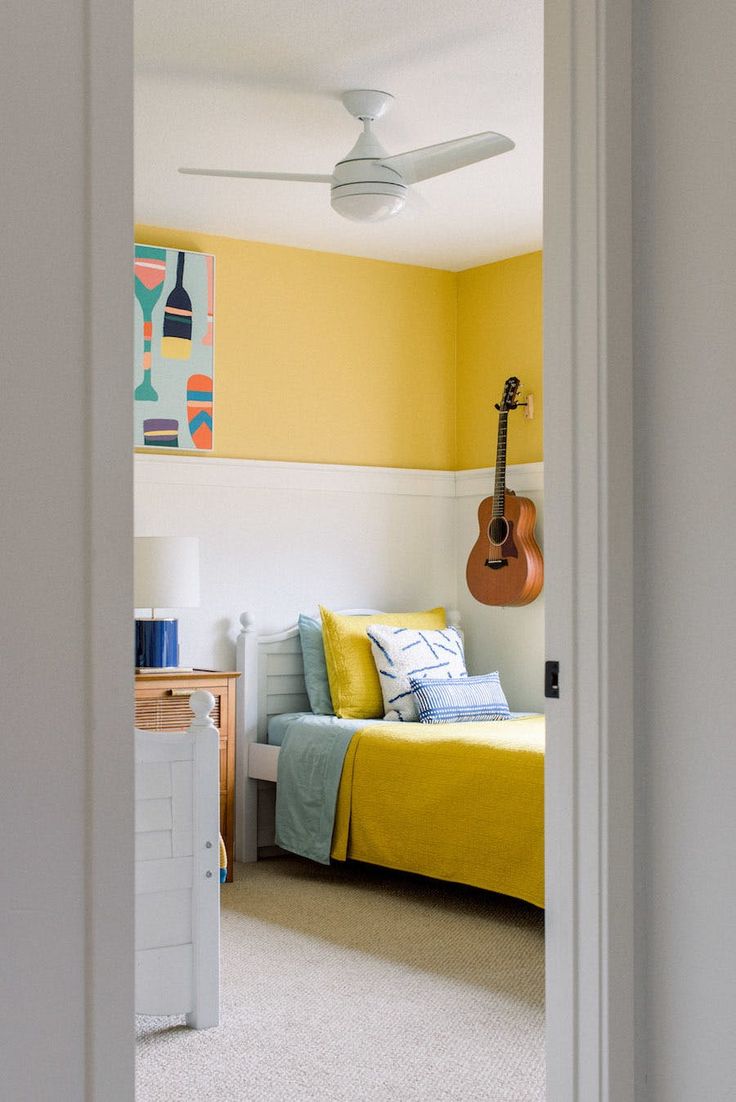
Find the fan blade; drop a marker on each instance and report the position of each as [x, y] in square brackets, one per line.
[309, 177]
[434, 160]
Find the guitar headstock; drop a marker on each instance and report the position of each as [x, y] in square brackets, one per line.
[510, 390]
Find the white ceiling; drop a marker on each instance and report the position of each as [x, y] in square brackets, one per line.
[255, 84]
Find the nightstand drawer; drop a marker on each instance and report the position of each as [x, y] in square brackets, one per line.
[167, 710]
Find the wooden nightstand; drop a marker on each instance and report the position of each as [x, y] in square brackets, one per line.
[162, 704]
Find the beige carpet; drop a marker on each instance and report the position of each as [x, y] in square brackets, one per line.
[352, 983]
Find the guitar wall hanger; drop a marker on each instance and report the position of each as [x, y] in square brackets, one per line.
[505, 566]
[528, 407]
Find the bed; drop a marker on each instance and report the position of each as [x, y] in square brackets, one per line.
[177, 870]
[461, 801]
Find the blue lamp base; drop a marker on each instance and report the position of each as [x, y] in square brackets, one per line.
[157, 644]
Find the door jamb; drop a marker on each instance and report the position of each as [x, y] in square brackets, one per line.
[589, 549]
[108, 550]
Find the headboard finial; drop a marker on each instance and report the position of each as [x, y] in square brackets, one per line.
[201, 702]
[247, 621]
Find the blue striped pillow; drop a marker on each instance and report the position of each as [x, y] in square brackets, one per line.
[459, 699]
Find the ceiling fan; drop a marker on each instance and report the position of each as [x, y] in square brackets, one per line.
[368, 185]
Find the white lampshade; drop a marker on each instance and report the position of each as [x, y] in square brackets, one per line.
[166, 572]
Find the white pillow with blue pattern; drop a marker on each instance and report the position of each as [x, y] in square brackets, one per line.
[402, 653]
[465, 700]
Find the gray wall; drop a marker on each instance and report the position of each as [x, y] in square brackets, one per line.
[65, 669]
[685, 367]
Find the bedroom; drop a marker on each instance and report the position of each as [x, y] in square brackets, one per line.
[356, 367]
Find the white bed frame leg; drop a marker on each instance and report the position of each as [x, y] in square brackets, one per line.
[206, 867]
[246, 845]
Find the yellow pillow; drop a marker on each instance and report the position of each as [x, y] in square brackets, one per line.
[351, 671]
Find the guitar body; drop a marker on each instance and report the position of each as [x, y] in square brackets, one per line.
[516, 572]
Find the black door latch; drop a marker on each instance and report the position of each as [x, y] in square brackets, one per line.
[552, 679]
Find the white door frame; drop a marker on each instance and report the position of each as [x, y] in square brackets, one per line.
[589, 549]
[108, 547]
[66, 778]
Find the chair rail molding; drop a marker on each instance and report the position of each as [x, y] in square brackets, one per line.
[265, 474]
[524, 478]
[272, 474]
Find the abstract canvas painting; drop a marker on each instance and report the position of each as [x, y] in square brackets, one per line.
[174, 344]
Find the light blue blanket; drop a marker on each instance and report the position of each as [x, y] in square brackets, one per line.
[310, 764]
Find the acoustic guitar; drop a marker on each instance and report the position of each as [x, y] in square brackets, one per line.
[505, 566]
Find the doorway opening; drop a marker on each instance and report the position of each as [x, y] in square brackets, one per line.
[357, 371]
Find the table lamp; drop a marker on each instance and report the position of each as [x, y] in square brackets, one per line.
[166, 577]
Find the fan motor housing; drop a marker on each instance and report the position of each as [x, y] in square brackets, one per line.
[364, 190]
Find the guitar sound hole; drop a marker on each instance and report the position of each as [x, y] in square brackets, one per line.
[498, 531]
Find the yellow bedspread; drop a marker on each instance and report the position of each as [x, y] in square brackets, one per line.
[456, 801]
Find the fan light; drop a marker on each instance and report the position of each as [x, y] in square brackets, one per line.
[367, 200]
[368, 207]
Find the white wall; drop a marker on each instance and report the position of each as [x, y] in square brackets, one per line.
[66, 884]
[685, 616]
[279, 538]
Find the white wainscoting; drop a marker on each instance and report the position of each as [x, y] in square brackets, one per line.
[279, 538]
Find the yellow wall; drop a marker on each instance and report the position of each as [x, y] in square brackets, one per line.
[499, 333]
[326, 358]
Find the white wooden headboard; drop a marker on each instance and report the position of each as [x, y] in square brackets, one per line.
[271, 683]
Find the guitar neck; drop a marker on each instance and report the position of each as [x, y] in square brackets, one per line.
[499, 490]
